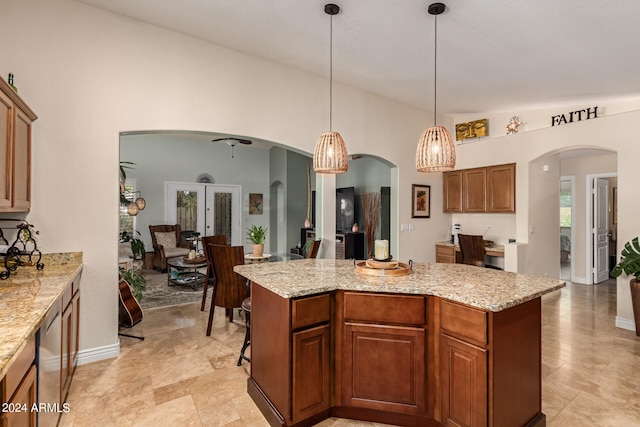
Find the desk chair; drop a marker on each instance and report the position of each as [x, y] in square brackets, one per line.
[210, 278]
[230, 288]
[472, 250]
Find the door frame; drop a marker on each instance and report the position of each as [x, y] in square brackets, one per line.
[590, 247]
[203, 189]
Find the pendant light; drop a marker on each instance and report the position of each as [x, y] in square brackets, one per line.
[330, 154]
[436, 150]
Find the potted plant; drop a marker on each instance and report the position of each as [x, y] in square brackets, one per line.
[256, 235]
[630, 265]
[137, 281]
[137, 245]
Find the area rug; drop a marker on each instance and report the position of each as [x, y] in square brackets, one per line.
[159, 294]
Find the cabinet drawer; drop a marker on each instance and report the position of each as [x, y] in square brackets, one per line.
[467, 323]
[19, 369]
[445, 250]
[384, 308]
[310, 311]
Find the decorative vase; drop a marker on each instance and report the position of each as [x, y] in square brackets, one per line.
[258, 249]
[307, 223]
[355, 227]
[635, 301]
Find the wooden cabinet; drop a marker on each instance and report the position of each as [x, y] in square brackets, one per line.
[463, 360]
[19, 390]
[446, 254]
[15, 151]
[311, 372]
[474, 190]
[480, 190]
[501, 183]
[464, 383]
[290, 355]
[70, 336]
[491, 365]
[452, 191]
[383, 364]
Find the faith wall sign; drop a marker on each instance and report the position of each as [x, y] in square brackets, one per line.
[574, 116]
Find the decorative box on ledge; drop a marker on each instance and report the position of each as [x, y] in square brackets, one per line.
[23, 251]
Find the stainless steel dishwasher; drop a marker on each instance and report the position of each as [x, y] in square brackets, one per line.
[50, 364]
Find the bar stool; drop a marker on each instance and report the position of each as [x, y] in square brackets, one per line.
[246, 308]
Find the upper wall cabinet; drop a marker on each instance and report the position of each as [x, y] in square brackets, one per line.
[490, 189]
[15, 151]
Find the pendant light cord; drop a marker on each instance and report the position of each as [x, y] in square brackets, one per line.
[435, 70]
[331, 73]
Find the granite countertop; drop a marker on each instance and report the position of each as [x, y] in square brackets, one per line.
[25, 298]
[487, 289]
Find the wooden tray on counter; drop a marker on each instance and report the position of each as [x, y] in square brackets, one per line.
[402, 269]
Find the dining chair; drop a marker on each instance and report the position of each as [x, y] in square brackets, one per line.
[230, 288]
[473, 251]
[220, 239]
[312, 252]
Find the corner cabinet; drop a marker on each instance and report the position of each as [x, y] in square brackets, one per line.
[489, 189]
[15, 151]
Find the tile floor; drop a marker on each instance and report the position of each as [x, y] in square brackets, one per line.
[179, 377]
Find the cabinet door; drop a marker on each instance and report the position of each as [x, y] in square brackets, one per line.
[67, 334]
[311, 372]
[474, 190]
[6, 137]
[452, 191]
[384, 368]
[21, 193]
[23, 399]
[75, 337]
[501, 181]
[464, 383]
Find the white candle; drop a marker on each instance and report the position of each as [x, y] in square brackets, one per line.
[381, 249]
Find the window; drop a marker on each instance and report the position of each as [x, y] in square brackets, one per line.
[127, 222]
[565, 209]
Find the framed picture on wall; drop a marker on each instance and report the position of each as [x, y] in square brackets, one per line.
[420, 201]
[255, 203]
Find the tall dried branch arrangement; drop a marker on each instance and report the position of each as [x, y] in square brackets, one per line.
[308, 193]
[371, 209]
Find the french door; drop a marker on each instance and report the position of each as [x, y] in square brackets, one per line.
[209, 209]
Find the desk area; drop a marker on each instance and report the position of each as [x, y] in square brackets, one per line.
[447, 252]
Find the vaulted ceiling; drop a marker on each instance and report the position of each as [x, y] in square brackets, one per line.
[493, 55]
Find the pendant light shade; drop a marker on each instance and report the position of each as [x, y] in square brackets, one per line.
[141, 203]
[330, 154]
[133, 209]
[436, 150]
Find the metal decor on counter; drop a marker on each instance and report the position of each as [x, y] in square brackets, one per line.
[24, 249]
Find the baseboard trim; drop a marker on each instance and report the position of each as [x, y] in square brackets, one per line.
[581, 281]
[98, 353]
[625, 323]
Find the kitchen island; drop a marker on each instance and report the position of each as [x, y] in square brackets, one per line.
[448, 344]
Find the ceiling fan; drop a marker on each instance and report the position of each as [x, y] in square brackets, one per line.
[232, 142]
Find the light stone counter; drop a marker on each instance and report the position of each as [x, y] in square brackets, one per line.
[487, 289]
[25, 298]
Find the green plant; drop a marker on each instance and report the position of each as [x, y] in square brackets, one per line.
[256, 234]
[137, 245]
[137, 281]
[629, 261]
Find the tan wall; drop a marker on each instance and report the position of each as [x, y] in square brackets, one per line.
[90, 75]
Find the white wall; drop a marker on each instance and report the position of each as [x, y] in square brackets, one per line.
[90, 75]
